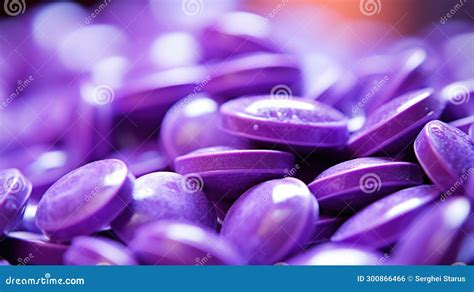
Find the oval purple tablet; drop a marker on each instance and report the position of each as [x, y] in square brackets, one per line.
[329, 254]
[88, 251]
[434, 238]
[4, 263]
[447, 156]
[226, 173]
[381, 223]
[353, 184]
[394, 125]
[163, 196]
[191, 124]
[255, 74]
[271, 220]
[173, 243]
[85, 200]
[296, 121]
[459, 97]
[15, 190]
[26, 248]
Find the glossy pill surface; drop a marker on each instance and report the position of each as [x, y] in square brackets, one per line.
[294, 121]
[164, 196]
[85, 200]
[271, 220]
[353, 184]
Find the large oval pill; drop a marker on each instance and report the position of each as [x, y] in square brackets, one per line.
[226, 172]
[271, 220]
[164, 195]
[394, 125]
[382, 223]
[85, 200]
[446, 155]
[353, 184]
[294, 121]
[175, 243]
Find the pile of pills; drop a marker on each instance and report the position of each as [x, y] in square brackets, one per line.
[218, 145]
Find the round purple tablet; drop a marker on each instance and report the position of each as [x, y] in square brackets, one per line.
[191, 124]
[435, 238]
[88, 251]
[329, 254]
[459, 98]
[391, 129]
[85, 200]
[4, 263]
[255, 74]
[271, 220]
[381, 223]
[164, 195]
[15, 190]
[295, 121]
[447, 156]
[226, 173]
[353, 184]
[174, 243]
[26, 248]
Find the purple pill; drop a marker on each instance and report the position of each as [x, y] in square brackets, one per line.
[85, 200]
[15, 190]
[392, 128]
[330, 254]
[89, 251]
[4, 263]
[26, 248]
[191, 124]
[271, 221]
[352, 185]
[164, 196]
[463, 124]
[459, 97]
[174, 243]
[295, 121]
[227, 173]
[382, 223]
[447, 156]
[237, 33]
[434, 239]
[255, 74]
